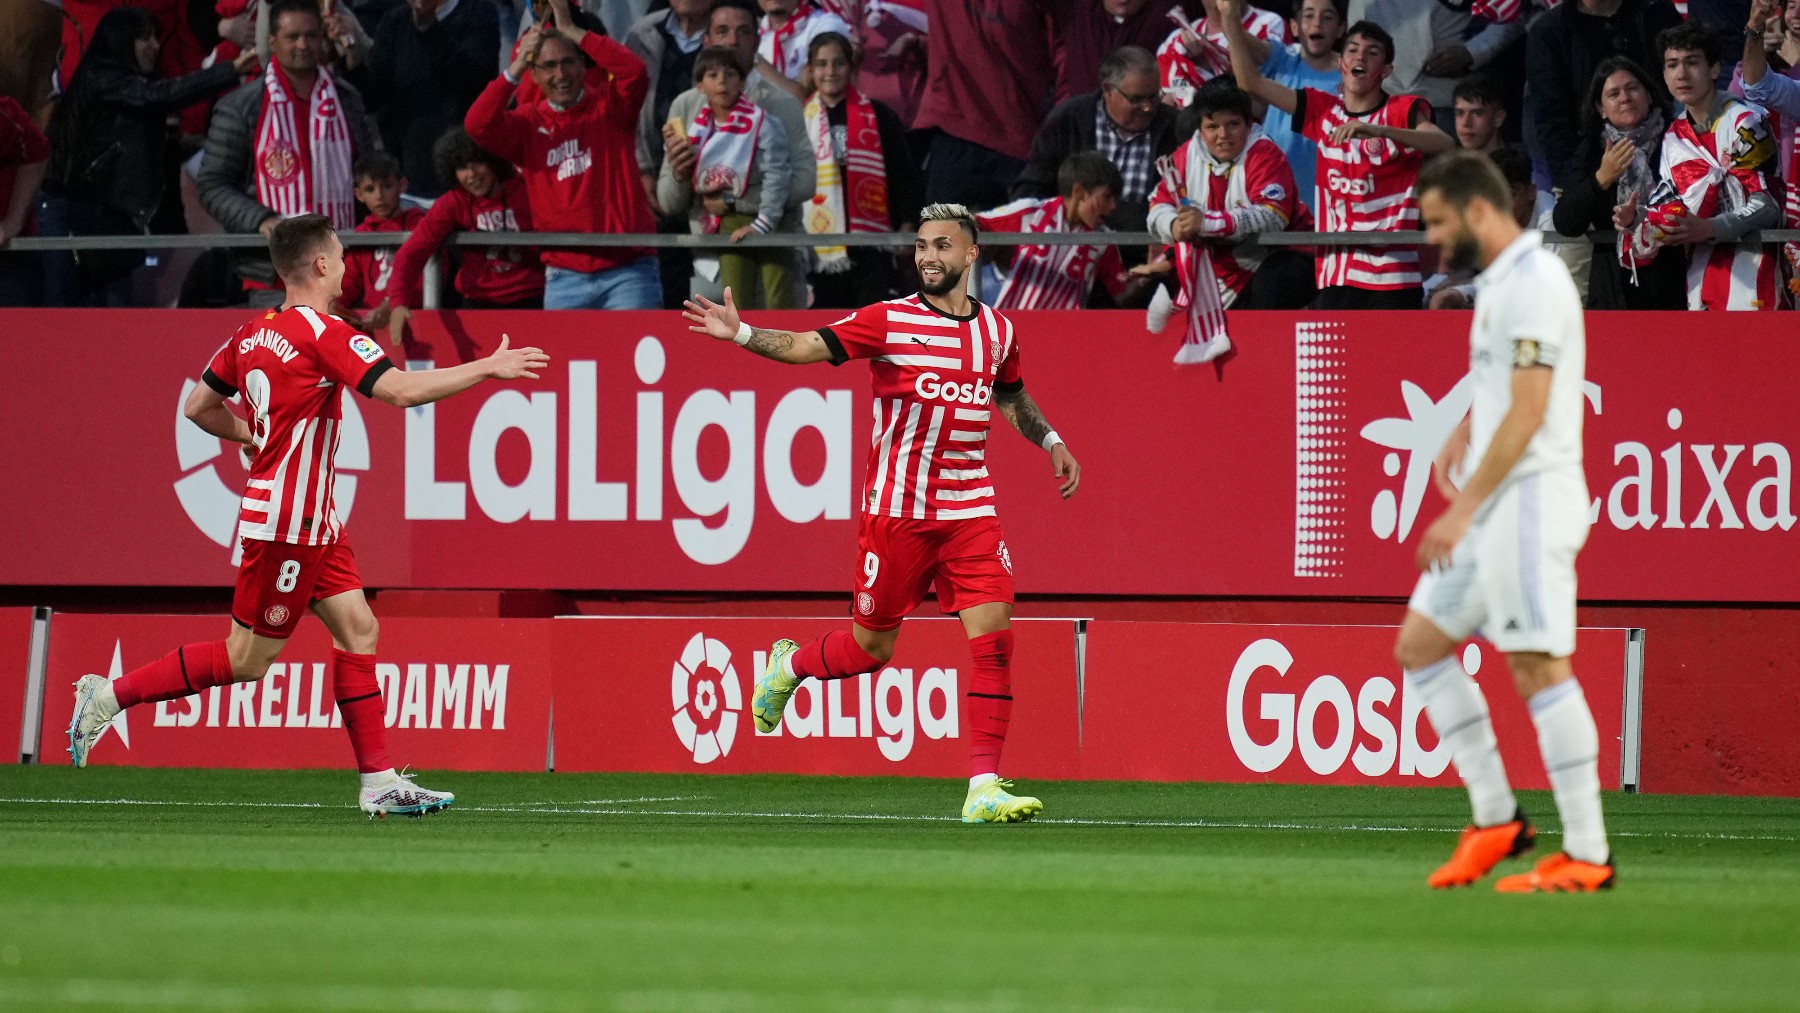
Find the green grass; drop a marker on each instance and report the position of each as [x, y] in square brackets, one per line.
[769, 893]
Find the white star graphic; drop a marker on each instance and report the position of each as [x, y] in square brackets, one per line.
[117, 724]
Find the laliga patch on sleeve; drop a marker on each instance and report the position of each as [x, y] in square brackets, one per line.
[366, 349]
[1528, 353]
[1275, 192]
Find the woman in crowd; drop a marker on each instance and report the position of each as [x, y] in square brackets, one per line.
[867, 180]
[108, 139]
[1622, 154]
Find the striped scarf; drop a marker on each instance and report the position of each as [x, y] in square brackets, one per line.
[855, 197]
[725, 152]
[1206, 336]
[311, 178]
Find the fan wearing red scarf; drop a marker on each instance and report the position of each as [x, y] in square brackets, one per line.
[788, 29]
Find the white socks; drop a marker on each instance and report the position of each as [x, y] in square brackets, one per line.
[1571, 748]
[982, 780]
[1459, 712]
[378, 779]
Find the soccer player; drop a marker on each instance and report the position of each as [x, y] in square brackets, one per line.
[1371, 145]
[292, 367]
[1501, 558]
[942, 363]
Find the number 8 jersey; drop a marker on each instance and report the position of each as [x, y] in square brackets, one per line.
[291, 367]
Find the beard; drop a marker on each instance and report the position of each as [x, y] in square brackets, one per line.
[1462, 253]
[951, 278]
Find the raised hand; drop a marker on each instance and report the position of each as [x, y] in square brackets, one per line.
[712, 319]
[508, 363]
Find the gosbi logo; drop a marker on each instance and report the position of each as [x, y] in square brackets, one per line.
[708, 698]
[1337, 182]
[213, 504]
[930, 388]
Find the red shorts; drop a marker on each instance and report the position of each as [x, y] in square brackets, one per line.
[278, 580]
[901, 558]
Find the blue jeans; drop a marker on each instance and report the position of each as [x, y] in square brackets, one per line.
[635, 286]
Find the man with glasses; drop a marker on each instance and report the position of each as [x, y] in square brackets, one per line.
[1125, 120]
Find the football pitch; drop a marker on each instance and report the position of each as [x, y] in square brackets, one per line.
[211, 890]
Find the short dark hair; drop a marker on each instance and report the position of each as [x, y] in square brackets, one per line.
[294, 242]
[1091, 170]
[380, 166]
[280, 7]
[1373, 32]
[1461, 176]
[952, 213]
[823, 39]
[1221, 95]
[1514, 164]
[719, 58]
[747, 6]
[455, 148]
[1688, 37]
[1479, 89]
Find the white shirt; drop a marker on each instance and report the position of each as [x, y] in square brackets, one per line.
[1527, 307]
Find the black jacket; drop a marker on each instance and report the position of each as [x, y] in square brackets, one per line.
[1560, 62]
[1069, 130]
[108, 135]
[1583, 207]
[419, 84]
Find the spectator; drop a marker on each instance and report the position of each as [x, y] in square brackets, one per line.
[990, 73]
[575, 146]
[788, 29]
[551, 13]
[1311, 62]
[1188, 59]
[1712, 186]
[428, 62]
[867, 181]
[1480, 113]
[890, 36]
[1435, 46]
[1620, 153]
[1227, 184]
[283, 145]
[1779, 93]
[489, 196]
[1562, 49]
[667, 41]
[368, 295]
[108, 170]
[1124, 121]
[1061, 277]
[733, 24]
[24, 154]
[1531, 209]
[1094, 28]
[1371, 145]
[736, 165]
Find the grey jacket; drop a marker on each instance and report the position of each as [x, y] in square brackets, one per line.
[802, 169]
[227, 179]
[765, 193]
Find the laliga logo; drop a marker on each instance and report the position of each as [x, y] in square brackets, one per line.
[213, 506]
[707, 697]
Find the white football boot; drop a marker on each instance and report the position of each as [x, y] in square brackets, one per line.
[399, 796]
[94, 708]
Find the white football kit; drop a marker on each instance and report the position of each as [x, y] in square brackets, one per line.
[1512, 577]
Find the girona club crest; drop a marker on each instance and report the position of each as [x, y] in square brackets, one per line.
[277, 615]
[279, 163]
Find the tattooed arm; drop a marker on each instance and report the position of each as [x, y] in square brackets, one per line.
[1023, 414]
[721, 321]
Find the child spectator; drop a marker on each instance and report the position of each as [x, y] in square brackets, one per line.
[488, 196]
[1480, 113]
[1061, 277]
[1309, 62]
[368, 293]
[737, 181]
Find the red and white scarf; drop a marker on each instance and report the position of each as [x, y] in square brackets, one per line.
[312, 178]
[787, 44]
[725, 152]
[853, 198]
[1206, 336]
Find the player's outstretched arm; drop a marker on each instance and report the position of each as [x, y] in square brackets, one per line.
[721, 321]
[1023, 414]
[406, 390]
[1530, 400]
[207, 409]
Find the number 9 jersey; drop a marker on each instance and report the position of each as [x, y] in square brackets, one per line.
[291, 367]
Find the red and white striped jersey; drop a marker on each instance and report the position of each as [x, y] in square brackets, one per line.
[1050, 277]
[291, 366]
[1366, 184]
[934, 377]
[1182, 74]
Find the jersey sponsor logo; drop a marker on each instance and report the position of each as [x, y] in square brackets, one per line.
[709, 699]
[366, 349]
[1337, 182]
[930, 388]
[277, 615]
[273, 341]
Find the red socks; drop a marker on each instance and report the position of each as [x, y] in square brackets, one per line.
[833, 656]
[989, 700]
[359, 701]
[182, 672]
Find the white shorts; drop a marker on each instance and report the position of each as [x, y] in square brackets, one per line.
[1512, 577]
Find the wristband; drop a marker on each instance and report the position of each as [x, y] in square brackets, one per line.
[742, 337]
[1050, 441]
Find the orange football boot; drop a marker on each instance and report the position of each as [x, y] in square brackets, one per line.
[1560, 874]
[1479, 849]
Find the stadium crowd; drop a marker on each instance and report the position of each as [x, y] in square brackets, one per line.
[1202, 122]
